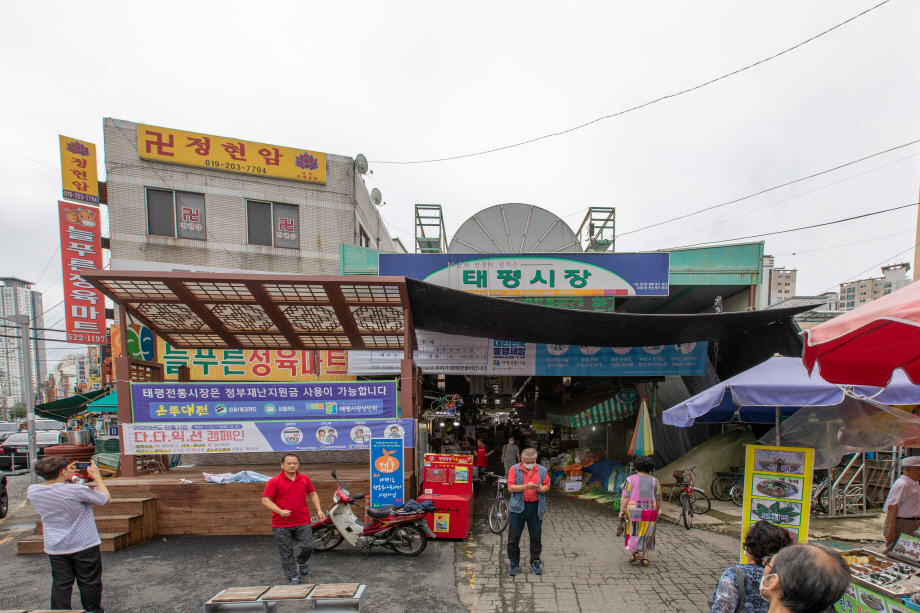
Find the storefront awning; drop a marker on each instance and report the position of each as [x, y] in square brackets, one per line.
[65, 408]
[592, 409]
[106, 404]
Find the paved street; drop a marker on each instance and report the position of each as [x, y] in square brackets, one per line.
[585, 565]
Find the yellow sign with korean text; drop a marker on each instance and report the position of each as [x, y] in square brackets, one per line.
[78, 170]
[777, 488]
[230, 154]
[235, 364]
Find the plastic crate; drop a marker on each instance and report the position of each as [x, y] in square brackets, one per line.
[909, 604]
[107, 446]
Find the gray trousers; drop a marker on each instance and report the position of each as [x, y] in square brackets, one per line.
[286, 538]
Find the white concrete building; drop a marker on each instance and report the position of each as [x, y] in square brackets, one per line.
[18, 298]
[857, 293]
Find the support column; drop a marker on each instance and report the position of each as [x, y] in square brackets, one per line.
[122, 372]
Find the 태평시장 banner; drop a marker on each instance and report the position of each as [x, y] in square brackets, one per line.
[261, 436]
[78, 170]
[448, 354]
[777, 488]
[230, 154]
[257, 401]
[81, 250]
[387, 471]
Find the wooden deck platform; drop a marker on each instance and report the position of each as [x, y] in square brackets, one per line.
[203, 508]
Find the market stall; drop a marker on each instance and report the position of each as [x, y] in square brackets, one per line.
[883, 583]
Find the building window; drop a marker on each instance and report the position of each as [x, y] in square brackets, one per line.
[363, 239]
[851, 303]
[176, 214]
[272, 224]
[788, 284]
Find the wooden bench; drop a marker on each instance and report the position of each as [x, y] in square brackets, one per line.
[330, 597]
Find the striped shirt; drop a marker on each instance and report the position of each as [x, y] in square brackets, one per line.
[68, 523]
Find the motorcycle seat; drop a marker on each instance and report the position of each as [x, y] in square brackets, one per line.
[380, 512]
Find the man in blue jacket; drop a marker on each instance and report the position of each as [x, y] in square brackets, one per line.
[527, 482]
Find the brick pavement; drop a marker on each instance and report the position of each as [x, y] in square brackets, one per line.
[585, 564]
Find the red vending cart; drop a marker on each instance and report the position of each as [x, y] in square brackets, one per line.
[448, 482]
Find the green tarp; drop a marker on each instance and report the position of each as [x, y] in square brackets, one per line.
[591, 409]
[106, 404]
[65, 408]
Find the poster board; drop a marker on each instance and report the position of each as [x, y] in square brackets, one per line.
[387, 472]
[777, 487]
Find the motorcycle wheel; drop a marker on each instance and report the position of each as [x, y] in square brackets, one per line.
[326, 538]
[409, 540]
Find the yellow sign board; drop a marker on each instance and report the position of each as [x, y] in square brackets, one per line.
[78, 170]
[230, 154]
[777, 488]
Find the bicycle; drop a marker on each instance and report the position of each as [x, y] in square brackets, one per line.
[498, 510]
[693, 500]
[722, 485]
[737, 494]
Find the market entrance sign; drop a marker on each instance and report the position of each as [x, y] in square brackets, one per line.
[521, 275]
[229, 154]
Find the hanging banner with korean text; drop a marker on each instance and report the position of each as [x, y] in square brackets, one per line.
[81, 250]
[78, 170]
[230, 154]
[234, 364]
[583, 275]
[203, 402]
[448, 354]
[777, 488]
[261, 436]
[387, 471]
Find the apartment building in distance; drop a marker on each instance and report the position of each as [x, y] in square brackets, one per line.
[778, 283]
[858, 293]
[18, 298]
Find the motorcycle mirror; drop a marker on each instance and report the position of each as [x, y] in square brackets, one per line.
[334, 475]
[359, 496]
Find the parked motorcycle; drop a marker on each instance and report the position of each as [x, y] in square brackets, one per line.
[405, 532]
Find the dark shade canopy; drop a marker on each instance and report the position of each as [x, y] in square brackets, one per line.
[440, 309]
[65, 408]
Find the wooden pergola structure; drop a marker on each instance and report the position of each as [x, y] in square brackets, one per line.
[251, 311]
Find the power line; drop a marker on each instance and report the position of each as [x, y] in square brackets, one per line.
[635, 108]
[48, 264]
[868, 240]
[828, 223]
[871, 267]
[718, 223]
[770, 189]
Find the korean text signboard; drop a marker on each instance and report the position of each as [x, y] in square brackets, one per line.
[777, 488]
[536, 274]
[230, 154]
[261, 436]
[201, 402]
[78, 170]
[447, 354]
[81, 250]
[387, 472]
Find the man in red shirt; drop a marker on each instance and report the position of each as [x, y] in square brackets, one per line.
[286, 496]
[527, 482]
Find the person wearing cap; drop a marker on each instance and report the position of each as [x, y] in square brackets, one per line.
[902, 507]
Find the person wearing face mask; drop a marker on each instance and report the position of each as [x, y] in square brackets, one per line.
[738, 588]
[511, 454]
[804, 579]
[902, 507]
[527, 483]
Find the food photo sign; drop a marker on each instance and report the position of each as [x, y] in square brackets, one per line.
[775, 481]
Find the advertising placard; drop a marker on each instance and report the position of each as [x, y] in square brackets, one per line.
[203, 402]
[259, 436]
[82, 374]
[230, 154]
[536, 274]
[81, 250]
[387, 471]
[777, 482]
[448, 354]
[78, 170]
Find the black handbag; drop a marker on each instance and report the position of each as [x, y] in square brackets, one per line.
[621, 528]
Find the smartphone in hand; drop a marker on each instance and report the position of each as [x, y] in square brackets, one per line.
[83, 465]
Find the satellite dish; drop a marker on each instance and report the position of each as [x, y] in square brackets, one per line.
[514, 228]
[361, 164]
[376, 197]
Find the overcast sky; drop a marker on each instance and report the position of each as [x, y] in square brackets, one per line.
[414, 81]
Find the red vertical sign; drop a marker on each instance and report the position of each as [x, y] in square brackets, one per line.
[81, 250]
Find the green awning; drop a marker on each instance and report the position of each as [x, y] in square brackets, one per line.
[106, 404]
[592, 409]
[65, 408]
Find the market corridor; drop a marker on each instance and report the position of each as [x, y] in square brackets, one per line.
[585, 567]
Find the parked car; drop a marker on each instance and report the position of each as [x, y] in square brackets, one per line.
[15, 449]
[4, 498]
[7, 429]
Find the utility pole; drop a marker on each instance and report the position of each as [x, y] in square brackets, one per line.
[24, 321]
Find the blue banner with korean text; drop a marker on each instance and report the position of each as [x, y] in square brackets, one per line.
[657, 360]
[387, 471]
[201, 402]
